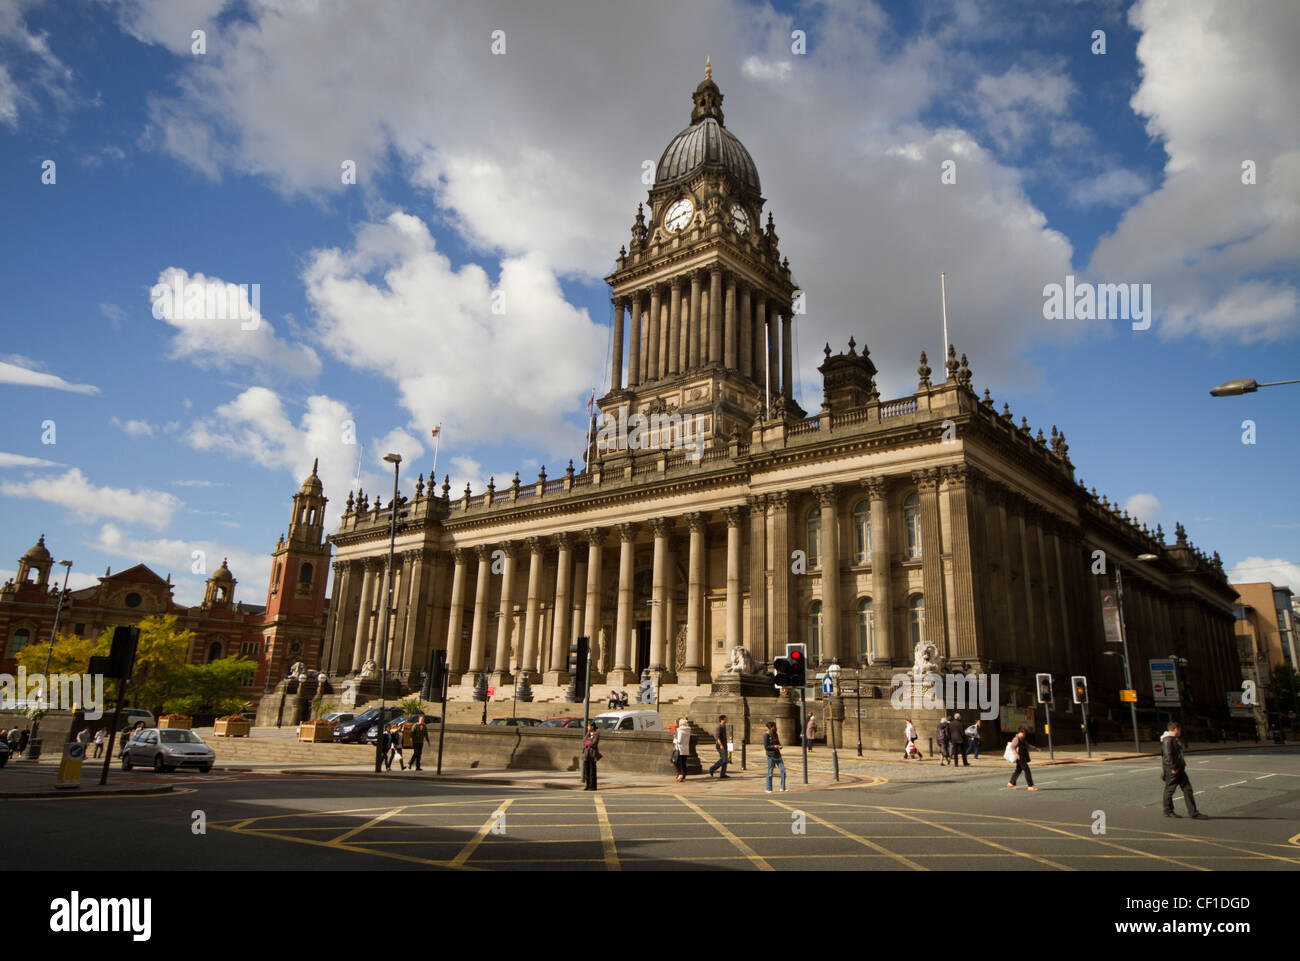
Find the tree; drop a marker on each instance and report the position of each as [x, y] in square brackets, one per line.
[1284, 689]
[70, 655]
[211, 688]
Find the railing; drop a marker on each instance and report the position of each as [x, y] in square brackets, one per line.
[806, 426]
[896, 408]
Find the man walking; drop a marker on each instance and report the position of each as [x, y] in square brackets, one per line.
[772, 748]
[810, 734]
[419, 737]
[973, 739]
[1173, 768]
[720, 740]
[958, 735]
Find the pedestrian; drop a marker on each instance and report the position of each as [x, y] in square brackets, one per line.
[1173, 769]
[99, 743]
[973, 739]
[385, 740]
[811, 732]
[958, 735]
[772, 747]
[83, 739]
[395, 747]
[681, 748]
[1019, 746]
[909, 745]
[419, 737]
[590, 756]
[720, 741]
[23, 737]
[943, 739]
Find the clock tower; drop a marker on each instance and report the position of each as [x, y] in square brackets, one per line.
[705, 301]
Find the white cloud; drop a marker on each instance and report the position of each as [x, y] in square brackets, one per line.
[1113, 188]
[227, 331]
[133, 428]
[73, 492]
[22, 460]
[22, 376]
[44, 77]
[1018, 103]
[199, 483]
[1143, 508]
[252, 568]
[1275, 570]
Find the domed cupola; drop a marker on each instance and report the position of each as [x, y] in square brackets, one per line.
[706, 142]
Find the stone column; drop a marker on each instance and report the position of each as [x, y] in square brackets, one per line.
[927, 485]
[968, 613]
[787, 354]
[559, 670]
[1006, 528]
[652, 365]
[536, 559]
[343, 591]
[362, 641]
[675, 326]
[745, 324]
[774, 354]
[409, 611]
[616, 365]
[693, 328]
[505, 616]
[782, 587]
[456, 614]
[758, 639]
[595, 538]
[660, 527]
[882, 604]
[735, 517]
[622, 672]
[760, 340]
[830, 572]
[730, 336]
[478, 633]
[695, 671]
[634, 343]
[715, 315]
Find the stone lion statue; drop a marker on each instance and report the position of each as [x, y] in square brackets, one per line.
[740, 661]
[926, 660]
[298, 669]
[369, 668]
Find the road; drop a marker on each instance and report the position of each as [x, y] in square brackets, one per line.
[908, 818]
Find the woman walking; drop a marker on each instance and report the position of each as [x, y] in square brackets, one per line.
[772, 747]
[681, 748]
[1020, 747]
[590, 756]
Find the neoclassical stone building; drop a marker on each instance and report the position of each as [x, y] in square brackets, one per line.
[716, 513]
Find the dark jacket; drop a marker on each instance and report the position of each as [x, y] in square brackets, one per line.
[956, 732]
[771, 745]
[1171, 756]
[591, 747]
[1022, 750]
[941, 734]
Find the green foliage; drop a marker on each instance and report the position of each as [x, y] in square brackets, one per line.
[211, 688]
[1283, 688]
[412, 705]
[71, 654]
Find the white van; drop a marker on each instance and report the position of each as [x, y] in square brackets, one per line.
[628, 721]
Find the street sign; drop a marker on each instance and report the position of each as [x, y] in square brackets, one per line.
[828, 685]
[1128, 695]
[1164, 681]
[70, 765]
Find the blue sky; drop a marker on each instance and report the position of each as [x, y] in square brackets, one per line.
[520, 172]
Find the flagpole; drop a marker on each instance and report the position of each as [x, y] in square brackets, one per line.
[591, 418]
[437, 442]
[767, 368]
[943, 297]
[356, 484]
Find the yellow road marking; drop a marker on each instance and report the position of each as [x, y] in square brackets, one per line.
[1113, 844]
[722, 829]
[853, 837]
[468, 850]
[353, 848]
[353, 832]
[607, 836]
[973, 837]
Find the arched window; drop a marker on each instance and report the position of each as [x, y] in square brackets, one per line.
[916, 618]
[862, 532]
[866, 631]
[214, 652]
[815, 632]
[304, 574]
[21, 637]
[912, 524]
[814, 538]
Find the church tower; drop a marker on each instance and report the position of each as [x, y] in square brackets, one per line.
[707, 297]
[295, 600]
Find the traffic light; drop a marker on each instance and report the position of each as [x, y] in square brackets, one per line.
[438, 676]
[578, 669]
[782, 669]
[1044, 688]
[122, 655]
[798, 657]
[1080, 685]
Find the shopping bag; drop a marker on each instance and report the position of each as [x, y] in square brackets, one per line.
[1009, 754]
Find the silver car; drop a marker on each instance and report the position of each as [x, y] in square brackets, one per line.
[166, 749]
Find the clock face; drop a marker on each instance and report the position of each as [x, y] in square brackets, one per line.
[679, 215]
[739, 219]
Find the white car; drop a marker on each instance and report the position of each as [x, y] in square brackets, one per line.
[629, 721]
[131, 716]
[166, 749]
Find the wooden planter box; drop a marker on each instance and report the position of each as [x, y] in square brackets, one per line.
[239, 727]
[180, 722]
[316, 731]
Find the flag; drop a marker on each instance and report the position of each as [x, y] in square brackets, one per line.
[590, 401]
[436, 431]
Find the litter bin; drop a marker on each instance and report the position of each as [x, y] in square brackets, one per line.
[34, 748]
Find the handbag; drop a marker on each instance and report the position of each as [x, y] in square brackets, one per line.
[1009, 754]
[676, 755]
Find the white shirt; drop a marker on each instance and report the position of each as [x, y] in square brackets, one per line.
[910, 731]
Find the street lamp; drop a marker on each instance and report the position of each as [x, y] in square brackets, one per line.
[396, 461]
[1180, 664]
[1245, 385]
[34, 745]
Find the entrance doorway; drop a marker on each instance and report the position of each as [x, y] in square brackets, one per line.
[642, 658]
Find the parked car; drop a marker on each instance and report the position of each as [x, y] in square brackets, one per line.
[338, 718]
[132, 716]
[562, 722]
[629, 721]
[357, 729]
[4, 753]
[166, 749]
[514, 722]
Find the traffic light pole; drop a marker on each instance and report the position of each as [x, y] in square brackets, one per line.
[442, 725]
[1087, 741]
[803, 734]
[1047, 710]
